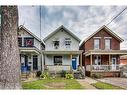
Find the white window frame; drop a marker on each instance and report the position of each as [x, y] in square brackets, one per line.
[57, 63]
[96, 43]
[108, 44]
[67, 42]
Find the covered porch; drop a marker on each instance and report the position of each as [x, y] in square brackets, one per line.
[103, 60]
[30, 59]
[62, 60]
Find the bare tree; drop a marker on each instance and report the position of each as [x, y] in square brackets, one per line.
[9, 52]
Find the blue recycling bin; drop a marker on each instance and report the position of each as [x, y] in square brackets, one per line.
[23, 69]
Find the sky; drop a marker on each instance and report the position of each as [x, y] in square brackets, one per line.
[80, 20]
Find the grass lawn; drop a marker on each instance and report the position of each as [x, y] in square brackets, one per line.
[58, 83]
[102, 85]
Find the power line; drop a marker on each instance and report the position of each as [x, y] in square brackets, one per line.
[117, 16]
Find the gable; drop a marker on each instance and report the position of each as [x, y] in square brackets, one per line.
[25, 32]
[107, 31]
[62, 28]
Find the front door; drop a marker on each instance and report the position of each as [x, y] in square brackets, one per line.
[35, 62]
[113, 63]
[74, 63]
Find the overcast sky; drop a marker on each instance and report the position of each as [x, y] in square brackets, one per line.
[81, 20]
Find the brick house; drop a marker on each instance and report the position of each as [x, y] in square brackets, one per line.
[102, 53]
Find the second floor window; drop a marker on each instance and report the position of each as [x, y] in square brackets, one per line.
[67, 42]
[28, 42]
[107, 44]
[56, 44]
[96, 44]
[20, 42]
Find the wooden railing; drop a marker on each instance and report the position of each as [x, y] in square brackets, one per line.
[103, 68]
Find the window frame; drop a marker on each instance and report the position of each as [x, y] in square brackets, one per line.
[59, 61]
[96, 39]
[26, 38]
[20, 44]
[56, 46]
[68, 42]
[109, 44]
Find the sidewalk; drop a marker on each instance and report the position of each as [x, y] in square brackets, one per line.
[86, 83]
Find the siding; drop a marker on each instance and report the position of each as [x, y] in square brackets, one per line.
[61, 36]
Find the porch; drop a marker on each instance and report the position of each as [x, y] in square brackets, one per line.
[62, 60]
[103, 61]
[30, 59]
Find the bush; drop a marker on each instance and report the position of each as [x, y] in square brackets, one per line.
[63, 73]
[38, 73]
[45, 75]
[69, 76]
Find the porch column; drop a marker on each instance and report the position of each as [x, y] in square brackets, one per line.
[109, 59]
[71, 61]
[81, 60]
[90, 64]
[31, 62]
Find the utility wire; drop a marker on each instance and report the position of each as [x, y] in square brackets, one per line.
[117, 16]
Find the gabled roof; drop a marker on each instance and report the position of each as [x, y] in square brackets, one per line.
[108, 30]
[29, 32]
[66, 30]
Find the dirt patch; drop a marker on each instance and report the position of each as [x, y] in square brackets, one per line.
[55, 85]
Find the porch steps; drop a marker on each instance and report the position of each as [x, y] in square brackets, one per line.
[24, 76]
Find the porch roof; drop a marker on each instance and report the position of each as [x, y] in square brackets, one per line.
[29, 50]
[63, 52]
[106, 52]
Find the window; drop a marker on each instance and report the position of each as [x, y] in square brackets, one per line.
[56, 44]
[67, 42]
[96, 43]
[107, 44]
[28, 42]
[20, 42]
[57, 60]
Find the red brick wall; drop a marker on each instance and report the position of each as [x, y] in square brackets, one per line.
[115, 44]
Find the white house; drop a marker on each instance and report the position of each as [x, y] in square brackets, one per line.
[61, 50]
[30, 47]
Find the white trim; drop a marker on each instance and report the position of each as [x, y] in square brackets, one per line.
[107, 37]
[97, 37]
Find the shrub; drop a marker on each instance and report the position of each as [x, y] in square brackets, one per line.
[63, 73]
[69, 76]
[45, 75]
[38, 73]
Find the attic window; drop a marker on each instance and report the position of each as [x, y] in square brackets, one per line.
[67, 42]
[56, 44]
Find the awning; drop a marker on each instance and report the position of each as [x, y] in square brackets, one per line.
[29, 50]
[63, 52]
[106, 52]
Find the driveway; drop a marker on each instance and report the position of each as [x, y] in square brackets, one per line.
[121, 82]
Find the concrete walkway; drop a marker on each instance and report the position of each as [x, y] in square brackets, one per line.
[121, 82]
[86, 83]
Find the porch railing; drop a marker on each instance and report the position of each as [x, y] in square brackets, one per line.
[103, 67]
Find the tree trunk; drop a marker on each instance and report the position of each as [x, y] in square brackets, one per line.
[9, 50]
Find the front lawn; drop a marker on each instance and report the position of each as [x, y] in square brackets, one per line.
[102, 85]
[59, 83]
